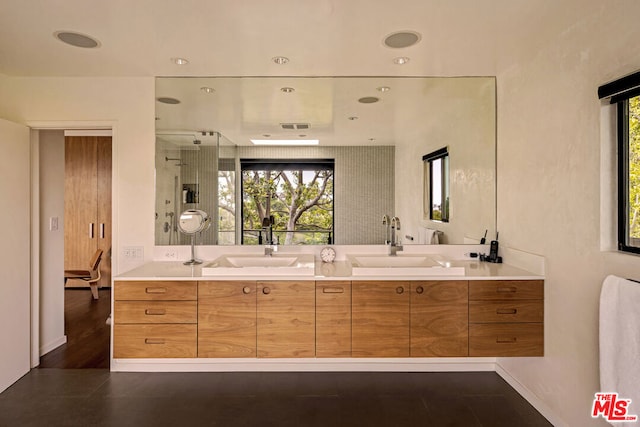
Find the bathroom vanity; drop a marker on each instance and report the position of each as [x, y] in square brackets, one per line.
[164, 310]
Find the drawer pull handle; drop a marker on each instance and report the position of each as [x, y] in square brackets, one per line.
[154, 341]
[246, 290]
[507, 290]
[419, 289]
[332, 290]
[155, 312]
[399, 290]
[155, 290]
[266, 291]
[507, 311]
[506, 340]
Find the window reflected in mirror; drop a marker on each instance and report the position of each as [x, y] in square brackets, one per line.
[436, 173]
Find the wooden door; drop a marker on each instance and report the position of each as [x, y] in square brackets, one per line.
[227, 319]
[87, 204]
[333, 319]
[380, 319]
[15, 256]
[286, 319]
[440, 319]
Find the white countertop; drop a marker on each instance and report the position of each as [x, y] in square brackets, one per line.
[339, 270]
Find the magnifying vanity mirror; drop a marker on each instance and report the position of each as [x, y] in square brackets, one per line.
[192, 222]
[371, 132]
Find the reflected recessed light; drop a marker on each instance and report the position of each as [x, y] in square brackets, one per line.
[402, 39]
[168, 100]
[400, 60]
[383, 89]
[76, 39]
[280, 60]
[180, 61]
[285, 141]
[372, 140]
[368, 100]
[207, 89]
[287, 89]
[353, 118]
[302, 136]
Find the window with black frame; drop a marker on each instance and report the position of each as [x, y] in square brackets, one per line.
[436, 176]
[287, 201]
[625, 92]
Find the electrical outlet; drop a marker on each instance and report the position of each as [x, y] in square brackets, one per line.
[53, 223]
[171, 254]
[133, 252]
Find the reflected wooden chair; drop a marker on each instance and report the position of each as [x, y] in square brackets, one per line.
[91, 276]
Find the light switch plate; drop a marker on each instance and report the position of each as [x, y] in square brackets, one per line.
[53, 223]
[133, 252]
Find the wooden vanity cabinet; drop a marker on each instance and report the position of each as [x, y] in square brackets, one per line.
[155, 319]
[286, 315]
[506, 318]
[333, 319]
[439, 318]
[380, 318]
[227, 319]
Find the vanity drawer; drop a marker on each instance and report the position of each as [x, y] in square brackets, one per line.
[154, 341]
[506, 339]
[503, 290]
[155, 312]
[530, 311]
[156, 290]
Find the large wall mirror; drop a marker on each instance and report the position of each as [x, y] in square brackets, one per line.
[216, 151]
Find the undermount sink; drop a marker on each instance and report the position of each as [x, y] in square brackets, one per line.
[400, 265]
[259, 265]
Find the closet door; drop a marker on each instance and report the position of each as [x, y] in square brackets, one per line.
[80, 201]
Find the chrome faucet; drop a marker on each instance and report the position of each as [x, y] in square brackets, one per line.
[394, 247]
[267, 226]
[387, 222]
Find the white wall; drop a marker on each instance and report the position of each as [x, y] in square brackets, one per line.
[549, 199]
[127, 105]
[51, 150]
[461, 117]
[15, 315]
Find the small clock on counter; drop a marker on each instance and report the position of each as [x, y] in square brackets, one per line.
[328, 254]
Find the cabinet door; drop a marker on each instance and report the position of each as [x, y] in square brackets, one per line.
[227, 319]
[333, 319]
[380, 319]
[439, 319]
[286, 319]
[80, 201]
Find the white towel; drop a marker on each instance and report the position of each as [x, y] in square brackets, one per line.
[430, 236]
[620, 341]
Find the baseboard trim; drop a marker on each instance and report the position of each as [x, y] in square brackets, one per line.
[53, 345]
[530, 397]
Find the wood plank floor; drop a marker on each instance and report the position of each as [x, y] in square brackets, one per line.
[87, 333]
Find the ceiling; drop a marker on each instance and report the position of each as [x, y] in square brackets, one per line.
[225, 38]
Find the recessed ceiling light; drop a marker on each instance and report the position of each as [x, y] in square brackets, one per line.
[372, 140]
[368, 100]
[207, 89]
[180, 61]
[383, 89]
[285, 141]
[280, 60]
[401, 60]
[287, 89]
[401, 39]
[168, 100]
[353, 118]
[266, 135]
[76, 39]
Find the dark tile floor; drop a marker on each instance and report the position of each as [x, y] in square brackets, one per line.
[97, 397]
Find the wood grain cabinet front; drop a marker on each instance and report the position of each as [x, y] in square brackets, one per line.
[506, 318]
[227, 319]
[286, 316]
[155, 319]
[439, 319]
[380, 319]
[333, 319]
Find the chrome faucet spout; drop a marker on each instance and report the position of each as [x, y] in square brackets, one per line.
[394, 245]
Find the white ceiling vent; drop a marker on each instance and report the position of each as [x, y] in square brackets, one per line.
[295, 126]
